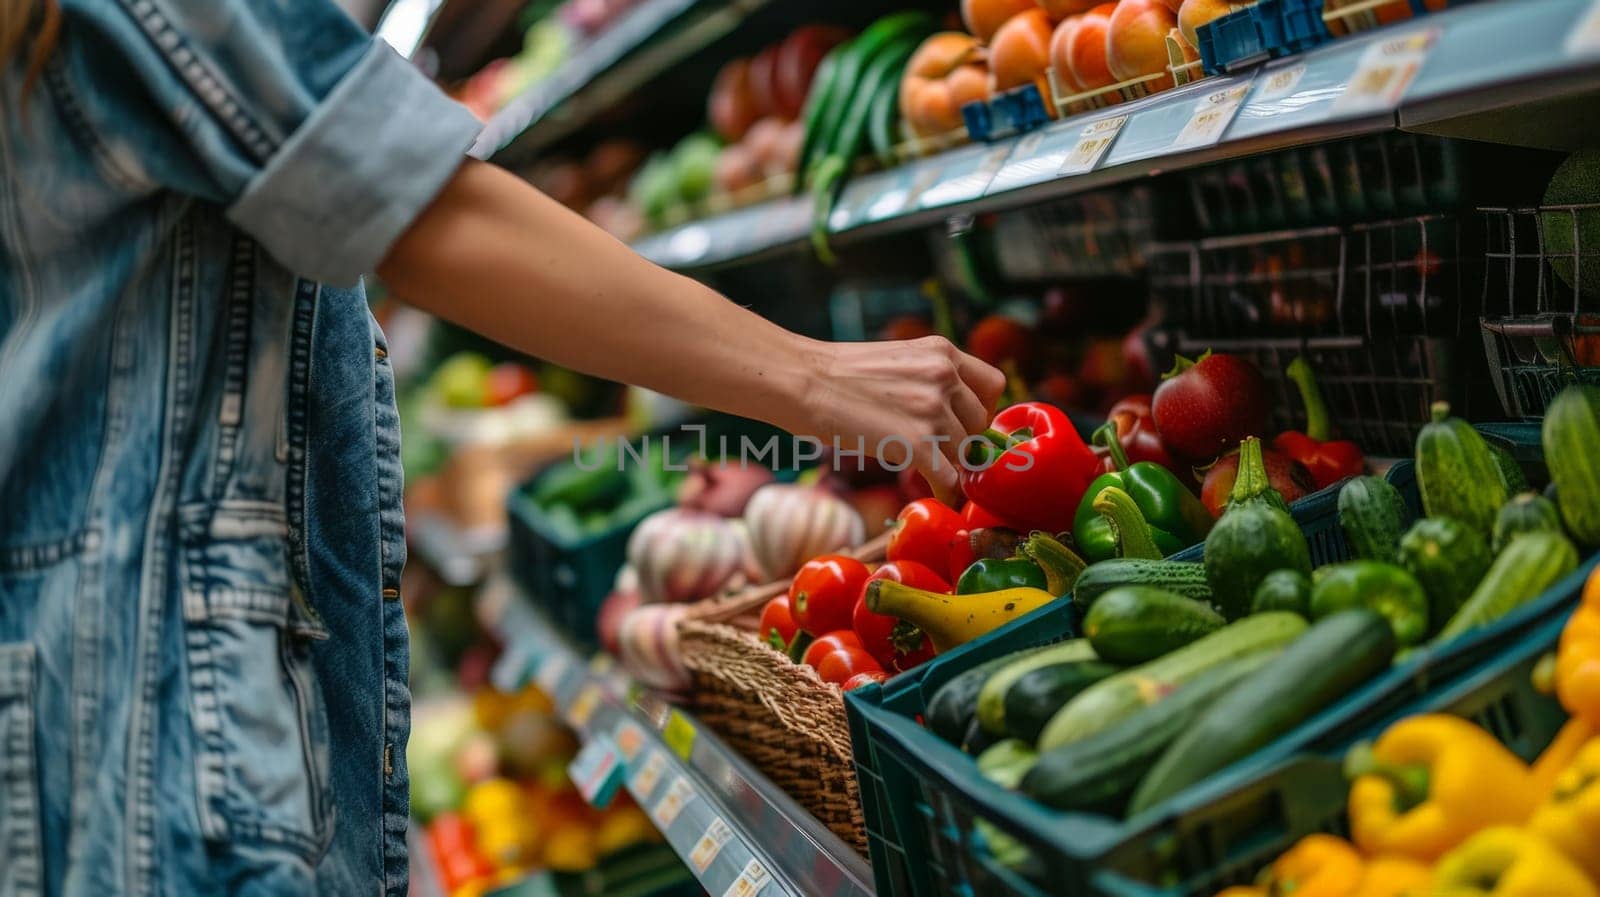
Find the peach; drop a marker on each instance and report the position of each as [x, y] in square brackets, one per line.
[1060, 60]
[1136, 45]
[968, 84]
[933, 110]
[1086, 55]
[984, 17]
[935, 57]
[1021, 50]
[1194, 13]
[1060, 10]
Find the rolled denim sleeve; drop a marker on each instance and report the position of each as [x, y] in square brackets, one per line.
[322, 143]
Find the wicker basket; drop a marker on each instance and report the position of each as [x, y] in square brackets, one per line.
[775, 712]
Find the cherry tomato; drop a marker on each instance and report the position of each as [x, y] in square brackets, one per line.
[841, 665]
[860, 679]
[777, 623]
[930, 533]
[833, 641]
[876, 630]
[824, 592]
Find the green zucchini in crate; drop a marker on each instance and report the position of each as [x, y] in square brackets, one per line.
[1449, 559]
[1457, 473]
[990, 706]
[1036, 695]
[1373, 514]
[1525, 513]
[1179, 577]
[1331, 659]
[955, 705]
[1571, 434]
[1134, 624]
[1532, 563]
[1108, 702]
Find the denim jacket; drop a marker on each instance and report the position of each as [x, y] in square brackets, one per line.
[202, 651]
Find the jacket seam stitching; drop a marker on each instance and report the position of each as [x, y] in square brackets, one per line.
[77, 123]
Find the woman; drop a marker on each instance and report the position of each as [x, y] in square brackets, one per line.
[202, 650]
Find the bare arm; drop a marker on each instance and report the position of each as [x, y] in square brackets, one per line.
[496, 256]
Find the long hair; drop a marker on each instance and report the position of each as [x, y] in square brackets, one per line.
[28, 27]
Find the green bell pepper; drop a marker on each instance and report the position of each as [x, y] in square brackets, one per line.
[1177, 519]
[1377, 586]
[992, 575]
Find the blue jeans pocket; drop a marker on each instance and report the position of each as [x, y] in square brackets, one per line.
[261, 728]
[21, 872]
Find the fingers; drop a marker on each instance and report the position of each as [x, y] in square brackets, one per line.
[985, 381]
[939, 470]
[972, 416]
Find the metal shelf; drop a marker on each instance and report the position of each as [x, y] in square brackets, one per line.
[1483, 70]
[680, 772]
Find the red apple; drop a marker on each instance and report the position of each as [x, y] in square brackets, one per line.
[798, 57]
[763, 79]
[1206, 408]
[732, 107]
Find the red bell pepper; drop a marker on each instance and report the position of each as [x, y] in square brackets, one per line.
[977, 518]
[1032, 468]
[1328, 460]
[930, 533]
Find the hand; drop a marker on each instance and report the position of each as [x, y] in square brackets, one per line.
[908, 400]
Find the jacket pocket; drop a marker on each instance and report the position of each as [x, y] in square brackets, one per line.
[21, 860]
[261, 728]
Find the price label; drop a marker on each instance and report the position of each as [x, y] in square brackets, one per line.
[551, 672]
[710, 844]
[678, 795]
[511, 671]
[751, 880]
[679, 734]
[1092, 144]
[645, 779]
[629, 738]
[1585, 37]
[596, 770]
[1384, 72]
[1212, 115]
[1280, 83]
[583, 706]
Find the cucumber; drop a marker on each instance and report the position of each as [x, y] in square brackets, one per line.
[1133, 624]
[1457, 474]
[1107, 703]
[1570, 433]
[1516, 482]
[881, 119]
[1373, 515]
[819, 101]
[1286, 590]
[976, 741]
[1532, 563]
[1038, 694]
[955, 704]
[1449, 558]
[1333, 657]
[848, 79]
[991, 705]
[1006, 761]
[1178, 577]
[1098, 773]
[1526, 513]
[1373, 585]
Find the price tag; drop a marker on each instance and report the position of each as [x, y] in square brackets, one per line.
[629, 738]
[511, 671]
[1585, 37]
[679, 734]
[583, 706]
[596, 770]
[679, 793]
[710, 844]
[1281, 83]
[1212, 115]
[1092, 144]
[645, 779]
[1383, 73]
[751, 880]
[551, 672]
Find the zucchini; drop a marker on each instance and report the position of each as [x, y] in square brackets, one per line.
[1098, 773]
[1457, 474]
[1108, 702]
[1511, 474]
[1253, 537]
[1006, 761]
[1336, 655]
[1039, 693]
[1373, 515]
[845, 80]
[1449, 559]
[955, 704]
[1526, 513]
[976, 741]
[1133, 624]
[1178, 577]
[990, 706]
[1532, 563]
[1287, 590]
[1570, 433]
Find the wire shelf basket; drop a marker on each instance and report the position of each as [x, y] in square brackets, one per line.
[1541, 298]
[1100, 234]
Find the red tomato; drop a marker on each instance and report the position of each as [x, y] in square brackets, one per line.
[833, 641]
[860, 679]
[930, 533]
[507, 381]
[777, 623]
[824, 592]
[876, 630]
[842, 665]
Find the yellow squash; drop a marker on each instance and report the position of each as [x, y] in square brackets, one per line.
[951, 620]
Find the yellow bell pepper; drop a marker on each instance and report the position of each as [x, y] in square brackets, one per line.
[1570, 819]
[1578, 656]
[1318, 866]
[1431, 781]
[1572, 738]
[1243, 891]
[1394, 877]
[1505, 861]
